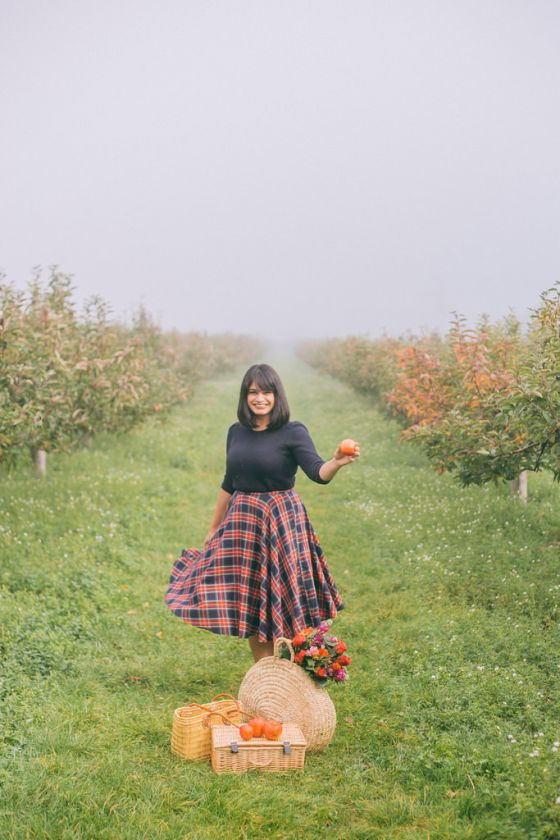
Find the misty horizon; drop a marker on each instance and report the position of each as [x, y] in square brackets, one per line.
[294, 171]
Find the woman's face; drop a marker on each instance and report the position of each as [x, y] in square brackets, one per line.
[260, 402]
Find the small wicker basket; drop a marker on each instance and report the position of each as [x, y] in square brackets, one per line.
[230, 754]
[279, 688]
[192, 724]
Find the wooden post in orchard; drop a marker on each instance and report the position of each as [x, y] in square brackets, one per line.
[519, 486]
[39, 458]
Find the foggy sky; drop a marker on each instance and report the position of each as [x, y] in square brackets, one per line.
[289, 168]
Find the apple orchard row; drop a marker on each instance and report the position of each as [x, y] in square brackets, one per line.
[483, 403]
[67, 375]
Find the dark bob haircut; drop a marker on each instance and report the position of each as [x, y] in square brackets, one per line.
[265, 378]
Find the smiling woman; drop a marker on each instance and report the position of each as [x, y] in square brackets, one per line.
[260, 404]
[262, 400]
[262, 573]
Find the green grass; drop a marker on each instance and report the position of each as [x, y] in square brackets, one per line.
[447, 728]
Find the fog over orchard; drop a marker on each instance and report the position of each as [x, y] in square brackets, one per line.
[285, 169]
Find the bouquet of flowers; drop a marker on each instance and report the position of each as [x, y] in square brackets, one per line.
[320, 654]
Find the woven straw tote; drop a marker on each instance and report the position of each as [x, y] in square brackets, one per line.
[191, 732]
[279, 688]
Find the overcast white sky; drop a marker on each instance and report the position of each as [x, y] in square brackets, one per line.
[290, 168]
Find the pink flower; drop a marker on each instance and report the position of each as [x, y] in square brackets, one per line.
[340, 675]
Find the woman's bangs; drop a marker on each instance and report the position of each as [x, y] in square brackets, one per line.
[263, 381]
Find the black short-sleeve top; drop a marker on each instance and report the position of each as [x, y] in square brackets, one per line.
[258, 462]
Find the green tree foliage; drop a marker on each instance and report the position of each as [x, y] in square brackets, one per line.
[64, 375]
[38, 333]
[483, 403]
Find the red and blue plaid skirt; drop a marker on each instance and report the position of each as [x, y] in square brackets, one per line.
[262, 574]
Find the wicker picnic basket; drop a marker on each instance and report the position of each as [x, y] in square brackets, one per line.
[279, 688]
[230, 754]
[192, 725]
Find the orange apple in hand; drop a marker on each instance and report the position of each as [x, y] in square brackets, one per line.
[348, 447]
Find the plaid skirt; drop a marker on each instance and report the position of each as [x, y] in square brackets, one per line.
[262, 574]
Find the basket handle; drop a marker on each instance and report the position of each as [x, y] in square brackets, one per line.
[278, 644]
[206, 720]
[229, 696]
[263, 762]
[222, 694]
[238, 705]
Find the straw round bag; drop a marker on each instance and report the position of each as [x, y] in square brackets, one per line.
[279, 688]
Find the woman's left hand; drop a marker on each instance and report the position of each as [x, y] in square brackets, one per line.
[342, 459]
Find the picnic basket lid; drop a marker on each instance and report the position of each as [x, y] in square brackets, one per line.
[223, 735]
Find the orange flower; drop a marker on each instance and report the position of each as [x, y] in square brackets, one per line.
[323, 652]
[340, 647]
[344, 660]
[299, 657]
[321, 672]
[336, 666]
[299, 639]
[307, 631]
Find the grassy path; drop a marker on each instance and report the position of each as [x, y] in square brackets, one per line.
[449, 727]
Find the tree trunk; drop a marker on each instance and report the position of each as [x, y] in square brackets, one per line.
[39, 458]
[519, 486]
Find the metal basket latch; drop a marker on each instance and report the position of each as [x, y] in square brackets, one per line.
[287, 748]
[234, 747]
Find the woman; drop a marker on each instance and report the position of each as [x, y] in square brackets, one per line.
[261, 573]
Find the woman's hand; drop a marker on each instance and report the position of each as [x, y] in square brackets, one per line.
[342, 459]
[219, 514]
[330, 468]
[208, 538]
